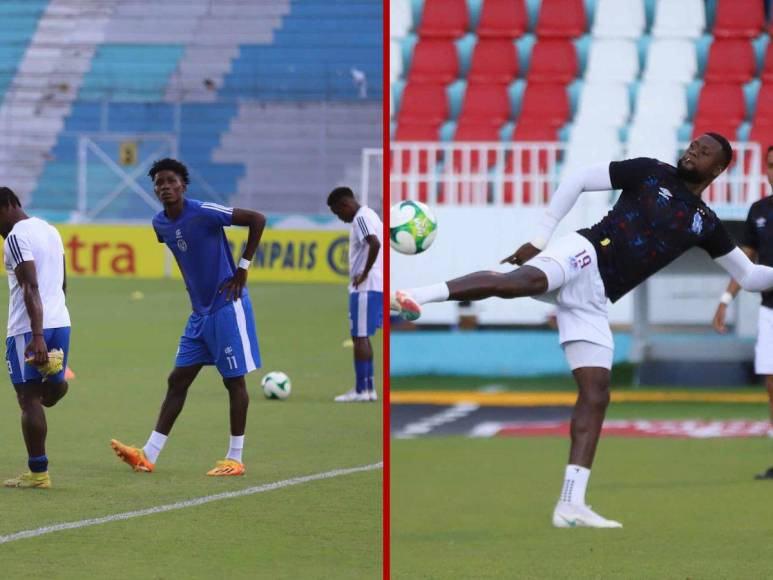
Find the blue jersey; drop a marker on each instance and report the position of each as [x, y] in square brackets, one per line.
[198, 242]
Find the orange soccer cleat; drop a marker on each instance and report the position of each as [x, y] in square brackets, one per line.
[227, 467]
[132, 456]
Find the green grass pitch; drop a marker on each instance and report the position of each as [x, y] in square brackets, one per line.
[122, 351]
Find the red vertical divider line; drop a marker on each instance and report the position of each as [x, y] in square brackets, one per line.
[385, 205]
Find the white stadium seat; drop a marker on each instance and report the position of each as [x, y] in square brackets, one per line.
[400, 21]
[671, 60]
[612, 60]
[679, 19]
[604, 104]
[661, 104]
[395, 61]
[589, 144]
[619, 19]
[659, 142]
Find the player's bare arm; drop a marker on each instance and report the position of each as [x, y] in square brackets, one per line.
[374, 247]
[256, 222]
[732, 290]
[28, 280]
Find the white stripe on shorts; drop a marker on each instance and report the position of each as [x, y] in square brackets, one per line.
[241, 323]
[19, 338]
[362, 314]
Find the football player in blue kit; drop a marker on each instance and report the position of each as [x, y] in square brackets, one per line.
[221, 329]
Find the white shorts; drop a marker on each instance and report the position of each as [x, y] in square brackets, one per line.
[763, 350]
[582, 303]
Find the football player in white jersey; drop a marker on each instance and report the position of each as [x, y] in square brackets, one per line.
[366, 287]
[38, 322]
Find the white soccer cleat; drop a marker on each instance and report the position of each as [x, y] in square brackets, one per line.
[352, 397]
[568, 515]
[770, 433]
[404, 304]
[372, 396]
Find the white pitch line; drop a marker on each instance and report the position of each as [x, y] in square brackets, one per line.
[187, 503]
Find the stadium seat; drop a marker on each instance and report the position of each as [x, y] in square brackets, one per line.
[618, 19]
[660, 104]
[730, 60]
[485, 104]
[470, 131]
[547, 104]
[444, 19]
[763, 114]
[561, 18]
[679, 19]
[767, 69]
[434, 61]
[553, 61]
[395, 61]
[653, 141]
[612, 60]
[494, 61]
[400, 20]
[671, 60]
[502, 19]
[528, 161]
[739, 19]
[720, 109]
[423, 105]
[604, 104]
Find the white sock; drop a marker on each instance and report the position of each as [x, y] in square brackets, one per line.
[235, 446]
[154, 446]
[575, 483]
[432, 293]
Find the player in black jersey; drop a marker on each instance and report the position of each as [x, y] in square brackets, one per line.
[658, 217]
[757, 242]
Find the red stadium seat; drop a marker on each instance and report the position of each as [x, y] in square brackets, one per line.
[494, 61]
[502, 19]
[561, 18]
[434, 61]
[423, 105]
[739, 19]
[470, 131]
[525, 132]
[547, 104]
[767, 69]
[763, 114]
[720, 109]
[444, 19]
[730, 60]
[553, 61]
[414, 161]
[416, 132]
[485, 104]
[762, 134]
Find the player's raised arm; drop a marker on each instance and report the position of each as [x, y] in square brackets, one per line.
[750, 276]
[256, 222]
[727, 296]
[593, 178]
[27, 276]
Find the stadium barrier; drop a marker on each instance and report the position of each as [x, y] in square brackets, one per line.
[132, 251]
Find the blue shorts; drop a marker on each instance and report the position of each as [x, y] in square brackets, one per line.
[366, 311]
[20, 371]
[225, 338]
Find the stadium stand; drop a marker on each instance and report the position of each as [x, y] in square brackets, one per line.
[229, 78]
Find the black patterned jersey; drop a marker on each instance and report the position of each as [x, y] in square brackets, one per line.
[758, 235]
[655, 220]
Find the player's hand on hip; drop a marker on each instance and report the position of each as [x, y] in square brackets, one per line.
[360, 279]
[37, 348]
[233, 286]
[719, 319]
[522, 255]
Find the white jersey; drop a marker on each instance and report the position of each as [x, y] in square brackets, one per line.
[366, 223]
[38, 241]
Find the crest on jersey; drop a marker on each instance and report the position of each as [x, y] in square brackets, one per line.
[761, 221]
[697, 224]
[663, 192]
[180, 241]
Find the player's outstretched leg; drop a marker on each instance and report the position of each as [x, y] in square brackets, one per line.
[143, 460]
[363, 372]
[587, 418]
[34, 428]
[525, 281]
[239, 402]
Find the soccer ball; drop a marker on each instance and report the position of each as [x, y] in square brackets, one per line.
[412, 227]
[276, 385]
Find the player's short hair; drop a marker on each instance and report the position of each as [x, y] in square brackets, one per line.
[726, 148]
[770, 148]
[338, 194]
[8, 198]
[168, 164]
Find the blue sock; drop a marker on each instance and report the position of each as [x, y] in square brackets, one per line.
[361, 372]
[38, 464]
[369, 384]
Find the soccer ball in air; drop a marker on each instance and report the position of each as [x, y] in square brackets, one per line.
[276, 385]
[412, 227]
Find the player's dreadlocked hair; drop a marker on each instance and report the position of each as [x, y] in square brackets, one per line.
[726, 148]
[8, 198]
[338, 194]
[168, 164]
